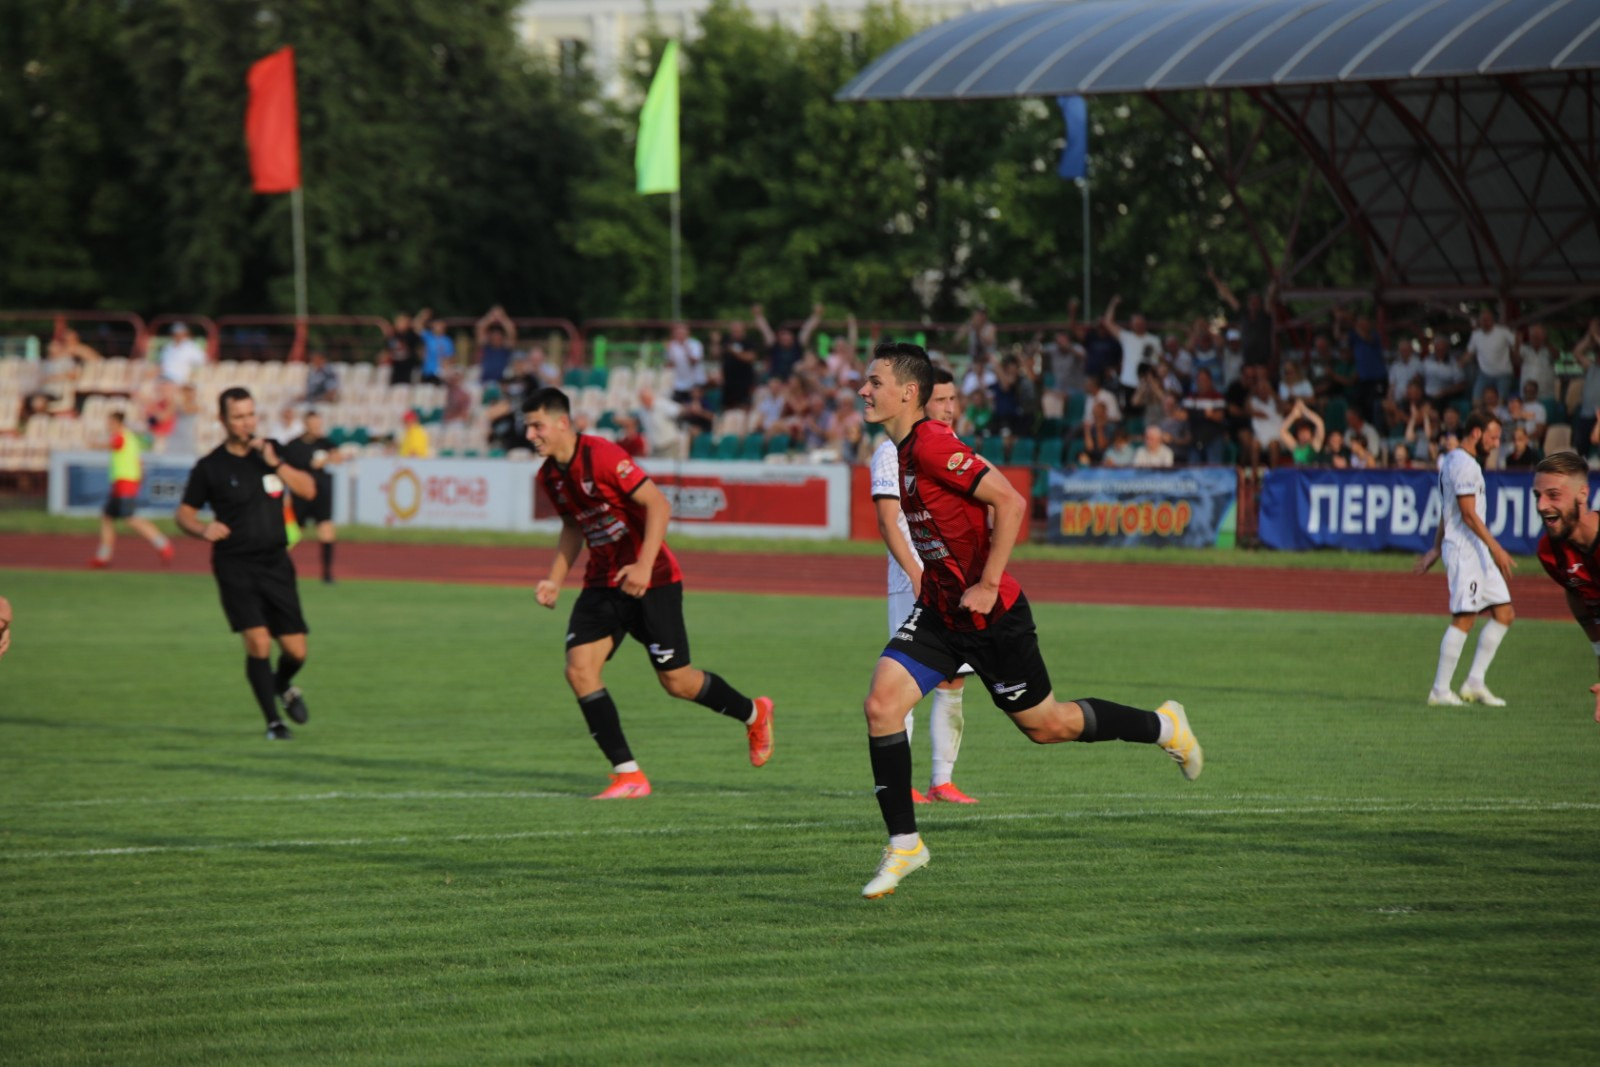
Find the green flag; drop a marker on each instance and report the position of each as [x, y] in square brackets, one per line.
[656, 158]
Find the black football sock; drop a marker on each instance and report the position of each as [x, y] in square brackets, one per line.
[724, 699]
[288, 667]
[259, 671]
[891, 777]
[605, 726]
[327, 561]
[1107, 721]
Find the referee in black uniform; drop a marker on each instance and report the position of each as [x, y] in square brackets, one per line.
[244, 482]
[312, 452]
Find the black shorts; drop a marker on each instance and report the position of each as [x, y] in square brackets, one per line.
[318, 510]
[655, 620]
[118, 507]
[1006, 655]
[260, 591]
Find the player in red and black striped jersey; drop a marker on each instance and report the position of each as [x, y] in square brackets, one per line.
[1571, 536]
[969, 611]
[631, 586]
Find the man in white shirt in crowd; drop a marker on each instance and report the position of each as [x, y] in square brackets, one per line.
[1139, 346]
[1492, 345]
[1406, 365]
[182, 356]
[1154, 451]
[1538, 364]
[687, 358]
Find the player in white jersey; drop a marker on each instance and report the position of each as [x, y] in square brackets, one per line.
[1478, 568]
[944, 728]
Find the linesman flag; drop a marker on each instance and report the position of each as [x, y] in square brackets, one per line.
[656, 157]
[272, 124]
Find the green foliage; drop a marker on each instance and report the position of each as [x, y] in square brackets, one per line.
[416, 878]
[444, 165]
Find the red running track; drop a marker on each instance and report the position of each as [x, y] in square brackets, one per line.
[1165, 585]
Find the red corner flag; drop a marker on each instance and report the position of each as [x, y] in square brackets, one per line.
[272, 124]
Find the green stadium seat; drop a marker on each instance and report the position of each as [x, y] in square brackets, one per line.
[339, 435]
[360, 436]
[496, 453]
[1075, 449]
[574, 378]
[607, 421]
[729, 446]
[755, 446]
[1048, 453]
[703, 446]
[1024, 450]
[1134, 426]
[1333, 416]
[1076, 404]
[779, 445]
[1554, 412]
[992, 447]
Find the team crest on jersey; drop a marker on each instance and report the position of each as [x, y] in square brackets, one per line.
[588, 486]
[955, 460]
[911, 483]
[624, 468]
[272, 484]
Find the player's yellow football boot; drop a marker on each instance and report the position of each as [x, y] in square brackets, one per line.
[895, 865]
[1183, 747]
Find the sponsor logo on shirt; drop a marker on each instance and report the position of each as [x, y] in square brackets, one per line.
[624, 468]
[955, 461]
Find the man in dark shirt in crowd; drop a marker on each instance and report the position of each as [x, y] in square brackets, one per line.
[243, 482]
[738, 359]
[313, 451]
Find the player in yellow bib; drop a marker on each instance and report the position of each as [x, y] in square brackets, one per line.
[127, 473]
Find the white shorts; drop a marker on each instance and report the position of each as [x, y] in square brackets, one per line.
[900, 604]
[1475, 582]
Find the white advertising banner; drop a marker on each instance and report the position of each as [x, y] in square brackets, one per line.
[464, 494]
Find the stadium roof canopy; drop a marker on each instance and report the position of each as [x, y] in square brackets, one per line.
[1461, 137]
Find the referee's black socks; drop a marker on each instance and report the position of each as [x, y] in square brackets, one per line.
[724, 699]
[1107, 721]
[259, 671]
[288, 667]
[327, 561]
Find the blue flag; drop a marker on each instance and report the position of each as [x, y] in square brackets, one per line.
[1075, 156]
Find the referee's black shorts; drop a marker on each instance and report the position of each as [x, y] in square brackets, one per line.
[655, 620]
[260, 591]
[317, 510]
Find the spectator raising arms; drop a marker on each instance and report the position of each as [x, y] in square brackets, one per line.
[784, 347]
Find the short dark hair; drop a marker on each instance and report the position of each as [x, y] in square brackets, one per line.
[1479, 420]
[548, 399]
[942, 377]
[1568, 463]
[911, 364]
[229, 396]
[118, 417]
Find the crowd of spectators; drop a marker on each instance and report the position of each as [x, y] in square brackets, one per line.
[1107, 391]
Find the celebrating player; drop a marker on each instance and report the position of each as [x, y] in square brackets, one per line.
[1571, 530]
[632, 586]
[969, 610]
[905, 578]
[1477, 567]
[243, 481]
[127, 472]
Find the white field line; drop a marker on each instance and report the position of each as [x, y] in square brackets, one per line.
[1428, 807]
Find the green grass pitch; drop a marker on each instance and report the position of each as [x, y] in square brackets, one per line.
[416, 878]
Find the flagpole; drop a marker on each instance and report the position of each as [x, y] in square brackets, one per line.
[1083, 187]
[677, 246]
[297, 206]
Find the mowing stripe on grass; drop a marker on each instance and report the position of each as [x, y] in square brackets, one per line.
[1431, 807]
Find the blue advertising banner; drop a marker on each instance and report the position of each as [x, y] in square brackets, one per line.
[1193, 507]
[1373, 510]
[85, 480]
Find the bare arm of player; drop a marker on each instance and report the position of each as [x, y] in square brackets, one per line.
[888, 509]
[1469, 515]
[634, 579]
[1009, 510]
[5, 625]
[1591, 630]
[1430, 557]
[188, 520]
[568, 545]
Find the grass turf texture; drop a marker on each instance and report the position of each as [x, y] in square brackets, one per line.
[417, 879]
